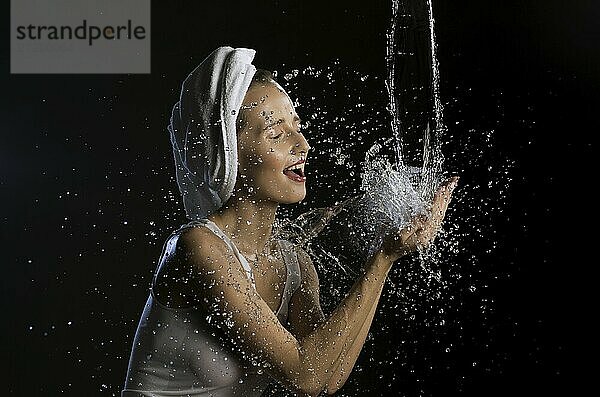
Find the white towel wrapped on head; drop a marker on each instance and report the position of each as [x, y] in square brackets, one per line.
[203, 129]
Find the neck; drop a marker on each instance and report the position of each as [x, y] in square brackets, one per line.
[248, 223]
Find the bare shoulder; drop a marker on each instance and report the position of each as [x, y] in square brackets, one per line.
[199, 247]
[194, 253]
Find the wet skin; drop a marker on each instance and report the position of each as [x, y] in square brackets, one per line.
[313, 353]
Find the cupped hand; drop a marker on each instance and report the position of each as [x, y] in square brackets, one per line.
[423, 229]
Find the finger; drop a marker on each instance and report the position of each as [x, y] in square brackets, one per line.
[417, 224]
[406, 233]
[442, 198]
[439, 207]
[451, 186]
[424, 237]
[446, 188]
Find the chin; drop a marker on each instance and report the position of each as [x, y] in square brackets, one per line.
[300, 198]
[288, 192]
[293, 197]
[291, 200]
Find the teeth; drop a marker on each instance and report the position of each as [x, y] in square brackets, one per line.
[296, 167]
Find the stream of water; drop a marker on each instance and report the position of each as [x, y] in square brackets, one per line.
[393, 191]
[413, 92]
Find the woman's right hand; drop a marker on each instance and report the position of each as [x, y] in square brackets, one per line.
[422, 231]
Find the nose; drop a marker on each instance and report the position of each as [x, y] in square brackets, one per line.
[300, 145]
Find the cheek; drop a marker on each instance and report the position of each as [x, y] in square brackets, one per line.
[249, 154]
[260, 159]
[272, 162]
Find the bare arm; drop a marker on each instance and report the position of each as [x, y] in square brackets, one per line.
[421, 233]
[304, 364]
[305, 315]
[349, 355]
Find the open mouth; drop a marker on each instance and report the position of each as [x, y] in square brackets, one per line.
[296, 172]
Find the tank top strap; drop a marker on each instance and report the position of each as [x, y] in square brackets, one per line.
[293, 279]
[216, 230]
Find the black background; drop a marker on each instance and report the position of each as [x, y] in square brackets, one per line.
[88, 195]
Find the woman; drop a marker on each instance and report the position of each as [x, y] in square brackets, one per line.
[230, 308]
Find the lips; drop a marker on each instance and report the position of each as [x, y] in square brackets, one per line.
[296, 171]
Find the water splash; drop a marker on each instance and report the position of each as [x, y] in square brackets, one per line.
[392, 193]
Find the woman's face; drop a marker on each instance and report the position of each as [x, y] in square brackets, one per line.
[270, 145]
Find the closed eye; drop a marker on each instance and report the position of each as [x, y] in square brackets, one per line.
[272, 133]
[271, 127]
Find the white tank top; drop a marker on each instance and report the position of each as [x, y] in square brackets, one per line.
[176, 352]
